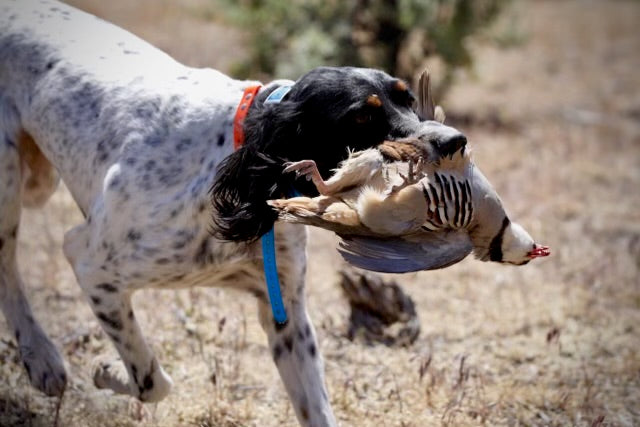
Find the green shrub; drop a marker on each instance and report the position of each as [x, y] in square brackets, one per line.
[289, 37]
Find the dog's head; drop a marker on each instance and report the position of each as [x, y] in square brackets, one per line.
[326, 113]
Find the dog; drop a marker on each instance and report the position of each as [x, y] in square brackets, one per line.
[145, 146]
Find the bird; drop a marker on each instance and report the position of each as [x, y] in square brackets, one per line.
[411, 205]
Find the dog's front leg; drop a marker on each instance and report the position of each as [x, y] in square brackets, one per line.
[296, 354]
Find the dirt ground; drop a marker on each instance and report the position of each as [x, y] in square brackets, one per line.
[554, 121]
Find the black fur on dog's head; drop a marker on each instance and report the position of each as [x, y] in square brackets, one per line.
[326, 113]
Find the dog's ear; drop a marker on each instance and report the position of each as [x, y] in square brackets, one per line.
[254, 174]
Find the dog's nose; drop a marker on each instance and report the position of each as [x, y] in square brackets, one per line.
[450, 144]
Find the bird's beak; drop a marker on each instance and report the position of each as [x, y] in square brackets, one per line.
[539, 251]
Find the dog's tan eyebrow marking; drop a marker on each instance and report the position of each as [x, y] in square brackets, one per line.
[374, 101]
[400, 86]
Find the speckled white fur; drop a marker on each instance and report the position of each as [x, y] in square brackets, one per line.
[137, 138]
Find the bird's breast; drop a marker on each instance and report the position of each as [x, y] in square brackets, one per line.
[449, 201]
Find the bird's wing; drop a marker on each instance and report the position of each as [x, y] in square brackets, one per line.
[325, 212]
[420, 251]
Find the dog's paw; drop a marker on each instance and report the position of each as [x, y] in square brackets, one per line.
[43, 363]
[156, 386]
[111, 374]
[152, 386]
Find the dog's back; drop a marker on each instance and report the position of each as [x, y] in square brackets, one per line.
[82, 90]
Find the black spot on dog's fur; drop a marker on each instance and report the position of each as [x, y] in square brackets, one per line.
[279, 327]
[148, 382]
[111, 320]
[288, 342]
[183, 144]
[95, 300]
[312, 350]
[107, 287]
[277, 352]
[304, 412]
[115, 338]
[134, 235]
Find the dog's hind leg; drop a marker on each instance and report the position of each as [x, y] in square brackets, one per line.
[39, 356]
[144, 377]
[139, 374]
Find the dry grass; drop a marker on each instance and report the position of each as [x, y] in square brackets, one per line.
[554, 125]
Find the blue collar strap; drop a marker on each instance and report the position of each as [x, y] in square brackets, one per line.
[271, 275]
[271, 272]
[277, 95]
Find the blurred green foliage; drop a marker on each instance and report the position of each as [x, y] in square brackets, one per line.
[290, 37]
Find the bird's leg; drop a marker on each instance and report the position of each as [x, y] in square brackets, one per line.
[355, 171]
[309, 170]
[414, 174]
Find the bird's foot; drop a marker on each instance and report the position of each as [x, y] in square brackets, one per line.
[414, 174]
[309, 170]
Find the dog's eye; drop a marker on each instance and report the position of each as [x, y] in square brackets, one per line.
[401, 94]
[363, 117]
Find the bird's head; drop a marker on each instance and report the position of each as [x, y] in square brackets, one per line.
[518, 247]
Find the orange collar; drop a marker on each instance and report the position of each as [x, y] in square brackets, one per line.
[241, 113]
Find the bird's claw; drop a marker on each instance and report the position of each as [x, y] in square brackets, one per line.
[414, 174]
[303, 167]
[309, 170]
